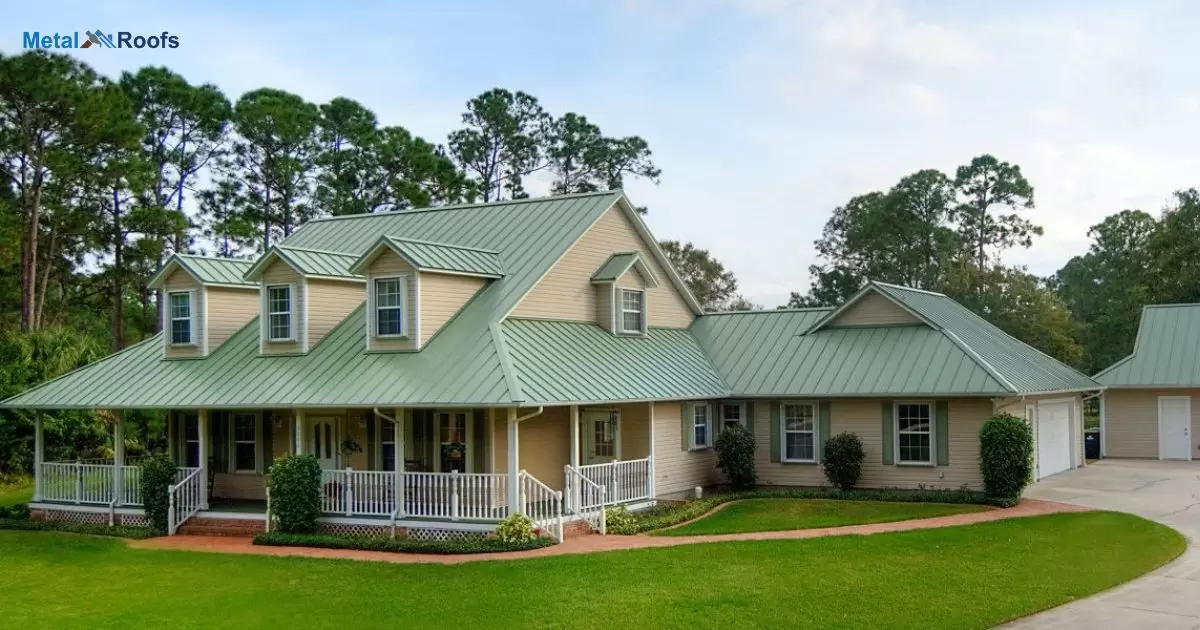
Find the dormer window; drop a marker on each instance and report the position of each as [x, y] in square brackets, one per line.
[182, 323]
[390, 306]
[633, 311]
[279, 313]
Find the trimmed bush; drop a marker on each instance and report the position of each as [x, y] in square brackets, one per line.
[1005, 456]
[517, 528]
[17, 512]
[735, 457]
[843, 460]
[618, 520]
[295, 482]
[400, 545]
[120, 531]
[158, 475]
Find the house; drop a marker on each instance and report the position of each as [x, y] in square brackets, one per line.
[449, 366]
[1149, 408]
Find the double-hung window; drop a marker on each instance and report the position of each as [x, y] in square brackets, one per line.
[245, 442]
[914, 432]
[191, 440]
[701, 435]
[279, 313]
[633, 311]
[732, 414]
[387, 445]
[181, 318]
[389, 306]
[799, 432]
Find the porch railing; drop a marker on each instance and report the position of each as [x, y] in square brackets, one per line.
[586, 499]
[542, 504]
[623, 481]
[83, 483]
[453, 496]
[184, 499]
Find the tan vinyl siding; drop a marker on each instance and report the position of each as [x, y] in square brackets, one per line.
[442, 296]
[329, 302]
[566, 291]
[355, 429]
[635, 430]
[677, 472]
[874, 310]
[279, 273]
[544, 444]
[632, 280]
[281, 436]
[181, 280]
[1131, 421]
[604, 306]
[865, 418]
[389, 263]
[228, 311]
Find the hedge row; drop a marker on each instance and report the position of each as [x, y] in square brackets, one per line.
[119, 531]
[399, 545]
[17, 512]
[667, 515]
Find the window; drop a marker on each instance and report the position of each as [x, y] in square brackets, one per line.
[191, 441]
[799, 432]
[700, 432]
[633, 311]
[914, 433]
[279, 313]
[387, 445]
[389, 307]
[732, 414]
[605, 436]
[181, 318]
[245, 442]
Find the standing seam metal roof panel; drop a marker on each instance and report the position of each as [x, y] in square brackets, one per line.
[1166, 352]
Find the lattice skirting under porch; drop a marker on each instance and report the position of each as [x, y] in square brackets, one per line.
[425, 533]
[384, 531]
[357, 530]
[90, 518]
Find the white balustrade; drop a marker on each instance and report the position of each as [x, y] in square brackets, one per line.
[623, 481]
[586, 499]
[184, 499]
[542, 504]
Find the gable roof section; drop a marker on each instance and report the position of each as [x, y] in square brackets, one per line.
[561, 361]
[619, 264]
[438, 257]
[1165, 352]
[226, 272]
[872, 288]
[311, 263]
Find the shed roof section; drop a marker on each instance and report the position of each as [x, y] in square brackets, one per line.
[1165, 353]
[216, 271]
[443, 257]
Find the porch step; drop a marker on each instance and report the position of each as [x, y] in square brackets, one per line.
[575, 529]
[222, 527]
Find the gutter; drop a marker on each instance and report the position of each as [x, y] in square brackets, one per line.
[527, 416]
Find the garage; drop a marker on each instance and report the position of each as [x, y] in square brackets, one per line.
[1053, 437]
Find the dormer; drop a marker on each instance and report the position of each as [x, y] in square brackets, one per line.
[870, 307]
[415, 287]
[303, 295]
[204, 301]
[621, 285]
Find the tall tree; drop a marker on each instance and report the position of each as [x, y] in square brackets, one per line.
[712, 284]
[348, 136]
[582, 159]
[1175, 250]
[983, 186]
[501, 141]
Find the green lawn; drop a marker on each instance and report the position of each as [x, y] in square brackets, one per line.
[962, 577]
[768, 515]
[19, 491]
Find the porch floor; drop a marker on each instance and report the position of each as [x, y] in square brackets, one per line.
[237, 506]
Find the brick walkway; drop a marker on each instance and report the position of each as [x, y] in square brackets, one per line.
[593, 544]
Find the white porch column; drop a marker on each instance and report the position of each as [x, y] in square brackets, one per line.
[202, 428]
[298, 435]
[514, 463]
[39, 447]
[401, 416]
[1103, 430]
[119, 458]
[650, 472]
[574, 436]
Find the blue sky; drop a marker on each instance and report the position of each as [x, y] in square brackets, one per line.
[762, 114]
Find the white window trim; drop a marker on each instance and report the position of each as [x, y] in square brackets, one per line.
[708, 431]
[620, 310]
[372, 312]
[171, 319]
[740, 404]
[783, 432]
[233, 442]
[583, 411]
[932, 433]
[291, 313]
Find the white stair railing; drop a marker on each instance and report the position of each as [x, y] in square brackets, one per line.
[184, 499]
[586, 499]
[542, 504]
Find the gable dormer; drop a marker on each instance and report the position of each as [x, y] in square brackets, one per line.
[869, 307]
[303, 295]
[622, 284]
[415, 287]
[204, 301]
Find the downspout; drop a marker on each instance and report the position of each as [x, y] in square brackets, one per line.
[514, 453]
[532, 415]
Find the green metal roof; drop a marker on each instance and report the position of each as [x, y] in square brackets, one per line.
[225, 271]
[309, 262]
[615, 267]
[430, 256]
[560, 361]
[1165, 353]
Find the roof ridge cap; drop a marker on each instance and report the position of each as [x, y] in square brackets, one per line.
[987, 367]
[440, 244]
[466, 206]
[317, 251]
[904, 288]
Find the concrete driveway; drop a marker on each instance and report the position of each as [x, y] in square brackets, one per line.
[1167, 492]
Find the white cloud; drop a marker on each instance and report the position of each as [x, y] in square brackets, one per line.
[922, 100]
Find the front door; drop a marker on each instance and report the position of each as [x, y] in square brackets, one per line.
[452, 440]
[325, 446]
[1174, 436]
[601, 434]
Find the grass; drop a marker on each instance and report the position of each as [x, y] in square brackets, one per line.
[768, 515]
[19, 490]
[968, 577]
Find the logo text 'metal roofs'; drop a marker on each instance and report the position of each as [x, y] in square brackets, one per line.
[99, 39]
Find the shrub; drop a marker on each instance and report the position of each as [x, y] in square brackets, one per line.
[400, 545]
[158, 475]
[295, 482]
[735, 457]
[120, 531]
[17, 512]
[618, 520]
[843, 460]
[516, 528]
[1005, 456]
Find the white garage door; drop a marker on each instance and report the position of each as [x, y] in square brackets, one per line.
[1053, 438]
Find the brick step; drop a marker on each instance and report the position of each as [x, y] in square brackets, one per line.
[190, 530]
[226, 522]
[222, 527]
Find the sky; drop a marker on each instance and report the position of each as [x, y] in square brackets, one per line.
[764, 115]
